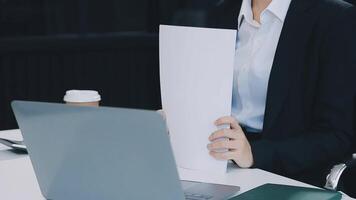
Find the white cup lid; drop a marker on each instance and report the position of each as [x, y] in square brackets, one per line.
[82, 96]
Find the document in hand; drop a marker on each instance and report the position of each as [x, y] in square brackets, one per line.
[196, 72]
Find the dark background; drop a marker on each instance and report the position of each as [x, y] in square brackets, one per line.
[50, 46]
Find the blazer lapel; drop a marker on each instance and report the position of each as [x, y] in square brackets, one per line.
[296, 31]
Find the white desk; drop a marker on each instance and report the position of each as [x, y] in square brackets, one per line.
[18, 181]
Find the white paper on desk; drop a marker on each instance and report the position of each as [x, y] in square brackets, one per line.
[196, 72]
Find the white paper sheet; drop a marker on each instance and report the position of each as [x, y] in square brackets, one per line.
[196, 72]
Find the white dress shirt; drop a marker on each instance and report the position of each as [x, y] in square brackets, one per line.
[255, 51]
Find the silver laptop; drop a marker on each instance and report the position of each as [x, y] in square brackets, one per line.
[105, 153]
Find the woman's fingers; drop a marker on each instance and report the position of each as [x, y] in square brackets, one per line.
[235, 146]
[222, 155]
[233, 133]
[223, 133]
[222, 144]
[228, 120]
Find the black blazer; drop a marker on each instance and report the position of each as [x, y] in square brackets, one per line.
[309, 108]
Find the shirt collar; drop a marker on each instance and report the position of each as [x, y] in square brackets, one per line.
[279, 8]
[245, 12]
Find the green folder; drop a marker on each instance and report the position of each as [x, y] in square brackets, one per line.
[285, 192]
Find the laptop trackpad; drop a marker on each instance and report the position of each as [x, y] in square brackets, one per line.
[208, 191]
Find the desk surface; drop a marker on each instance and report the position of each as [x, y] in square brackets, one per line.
[18, 181]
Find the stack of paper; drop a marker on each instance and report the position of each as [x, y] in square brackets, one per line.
[196, 71]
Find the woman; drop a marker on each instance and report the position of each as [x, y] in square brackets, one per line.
[293, 95]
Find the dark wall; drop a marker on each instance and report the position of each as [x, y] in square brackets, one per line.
[48, 47]
[122, 67]
[43, 17]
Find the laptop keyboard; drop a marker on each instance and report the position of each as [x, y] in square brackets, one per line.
[191, 196]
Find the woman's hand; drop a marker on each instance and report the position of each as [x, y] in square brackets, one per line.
[239, 149]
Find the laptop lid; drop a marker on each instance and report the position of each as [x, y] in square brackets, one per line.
[98, 153]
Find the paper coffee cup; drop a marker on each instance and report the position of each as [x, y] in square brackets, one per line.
[82, 97]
